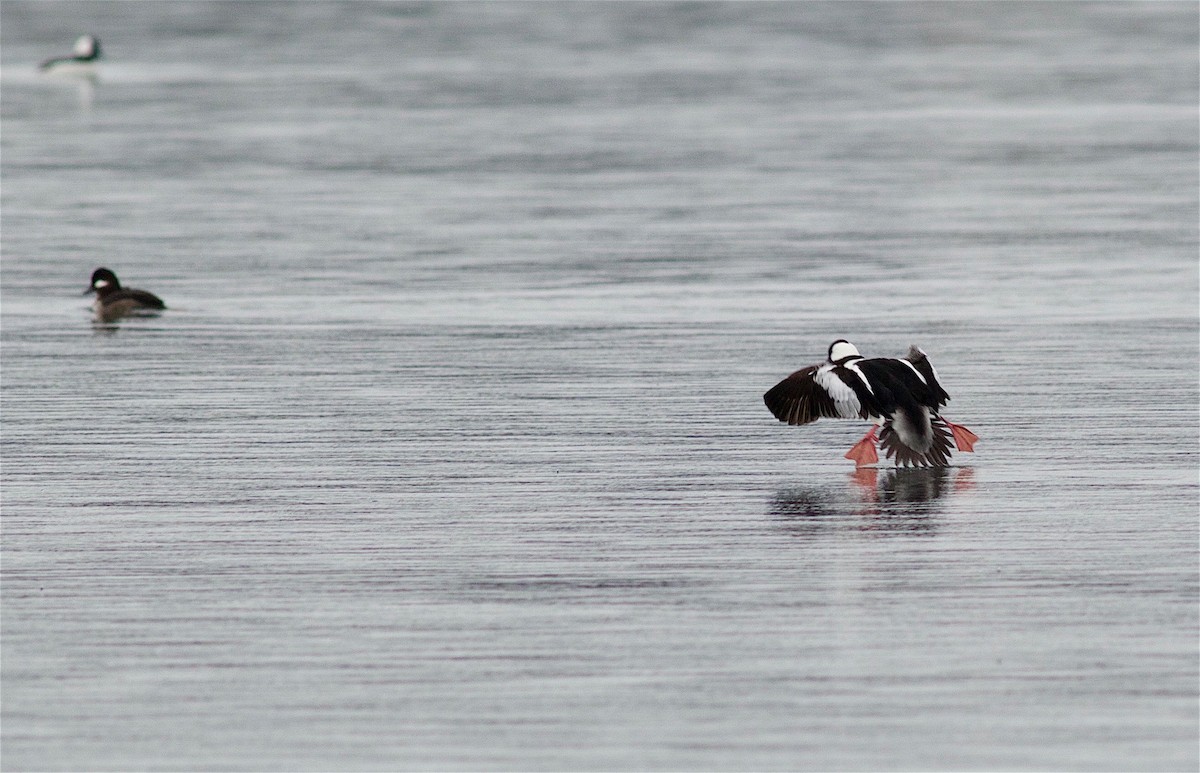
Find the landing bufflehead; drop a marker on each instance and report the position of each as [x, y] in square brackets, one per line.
[902, 396]
[87, 51]
[114, 301]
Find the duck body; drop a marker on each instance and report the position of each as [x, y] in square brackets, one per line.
[114, 301]
[902, 396]
[86, 52]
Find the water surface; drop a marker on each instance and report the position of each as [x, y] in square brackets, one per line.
[450, 453]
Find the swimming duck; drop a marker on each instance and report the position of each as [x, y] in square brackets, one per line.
[114, 301]
[86, 52]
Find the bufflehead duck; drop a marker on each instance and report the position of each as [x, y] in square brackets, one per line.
[902, 396]
[87, 51]
[114, 301]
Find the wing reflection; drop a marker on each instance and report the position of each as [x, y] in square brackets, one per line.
[901, 500]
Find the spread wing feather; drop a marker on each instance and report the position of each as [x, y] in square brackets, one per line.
[812, 393]
[839, 383]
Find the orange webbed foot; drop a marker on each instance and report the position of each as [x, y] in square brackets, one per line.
[964, 438]
[863, 453]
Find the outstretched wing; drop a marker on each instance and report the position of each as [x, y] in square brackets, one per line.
[812, 393]
[921, 362]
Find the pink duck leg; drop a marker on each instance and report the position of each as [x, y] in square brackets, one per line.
[863, 453]
[964, 438]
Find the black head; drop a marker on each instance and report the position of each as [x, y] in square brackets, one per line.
[104, 282]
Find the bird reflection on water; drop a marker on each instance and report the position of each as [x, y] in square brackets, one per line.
[882, 501]
[110, 327]
[106, 329]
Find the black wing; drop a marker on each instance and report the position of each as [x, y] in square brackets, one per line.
[140, 297]
[921, 362]
[798, 399]
[897, 385]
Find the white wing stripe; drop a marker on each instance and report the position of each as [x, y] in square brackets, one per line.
[913, 368]
[852, 367]
[844, 398]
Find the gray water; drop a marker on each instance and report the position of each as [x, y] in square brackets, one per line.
[450, 453]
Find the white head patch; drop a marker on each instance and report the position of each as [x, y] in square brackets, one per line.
[100, 284]
[841, 350]
[85, 46]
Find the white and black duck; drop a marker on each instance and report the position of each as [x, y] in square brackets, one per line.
[903, 396]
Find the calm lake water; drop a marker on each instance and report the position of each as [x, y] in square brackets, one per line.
[450, 451]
